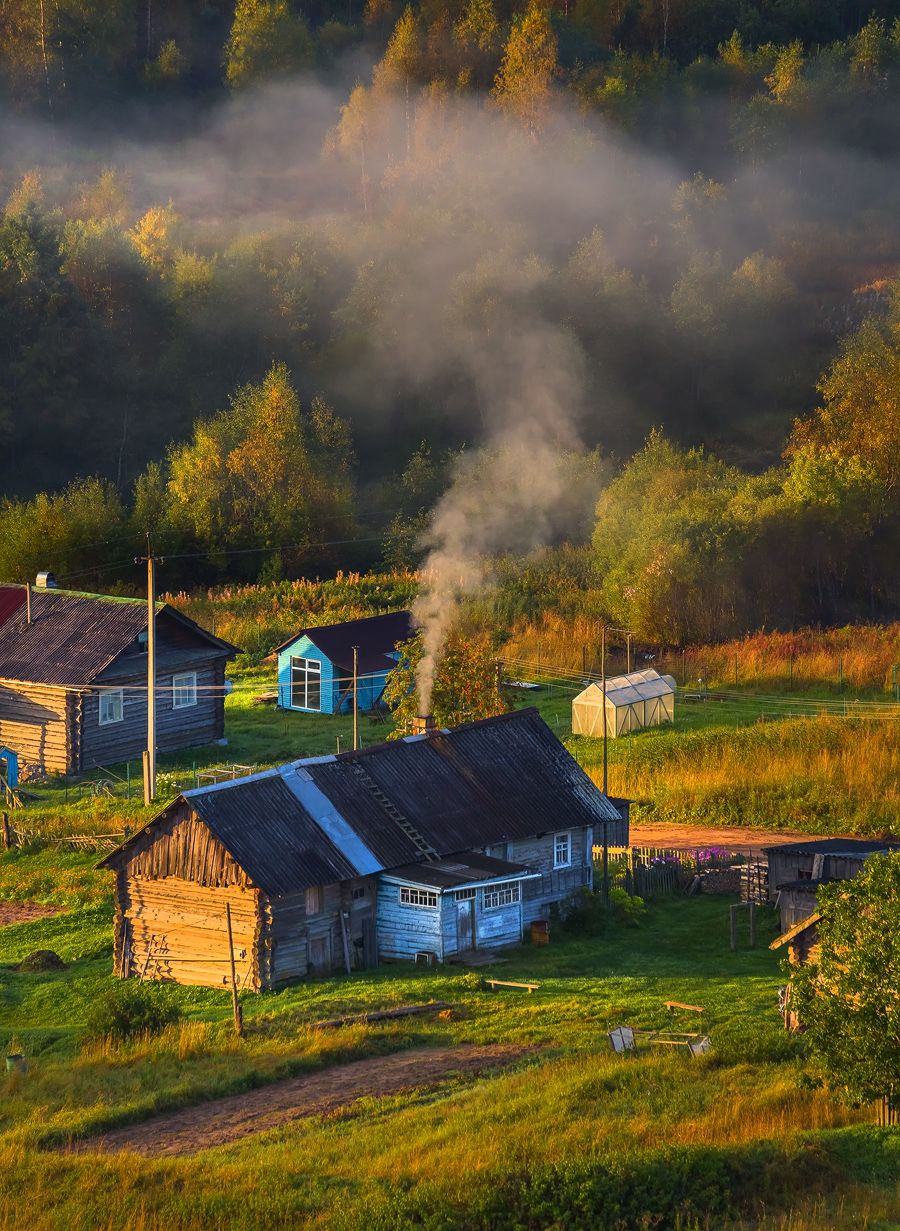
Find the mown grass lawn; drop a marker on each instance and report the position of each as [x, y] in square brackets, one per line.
[599, 1132]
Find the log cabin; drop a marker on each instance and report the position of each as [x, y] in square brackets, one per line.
[73, 679]
[437, 843]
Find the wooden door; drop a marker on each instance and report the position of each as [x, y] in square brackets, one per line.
[465, 924]
[320, 954]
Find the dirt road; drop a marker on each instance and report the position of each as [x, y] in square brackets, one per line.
[228, 1119]
[25, 912]
[689, 837]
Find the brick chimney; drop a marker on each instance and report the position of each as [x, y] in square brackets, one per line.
[423, 724]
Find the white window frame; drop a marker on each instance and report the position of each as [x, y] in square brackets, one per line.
[558, 839]
[116, 695]
[426, 898]
[502, 895]
[301, 667]
[184, 681]
[465, 895]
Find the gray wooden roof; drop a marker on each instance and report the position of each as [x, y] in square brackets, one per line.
[410, 801]
[74, 637]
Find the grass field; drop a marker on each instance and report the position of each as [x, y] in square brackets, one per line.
[571, 1136]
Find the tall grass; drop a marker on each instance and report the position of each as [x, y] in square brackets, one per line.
[809, 660]
[256, 618]
[822, 775]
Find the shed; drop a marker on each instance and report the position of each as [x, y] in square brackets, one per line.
[796, 869]
[334, 861]
[640, 699]
[73, 679]
[315, 665]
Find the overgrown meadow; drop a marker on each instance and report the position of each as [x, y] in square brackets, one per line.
[569, 1136]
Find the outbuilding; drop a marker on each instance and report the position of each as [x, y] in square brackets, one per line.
[315, 665]
[797, 869]
[434, 843]
[634, 701]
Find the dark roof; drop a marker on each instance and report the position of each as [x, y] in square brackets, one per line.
[375, 637]
[326, 819]
[468, 869]
[263, 827]
[833, 846]
[73, 637]
[489, 781]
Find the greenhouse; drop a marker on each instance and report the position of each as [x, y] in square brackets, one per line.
[640, 699]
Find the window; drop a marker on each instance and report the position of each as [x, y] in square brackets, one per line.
[464, 895]
[112, 705]
[562, 850]
[306, 684]
[503, 895]
[314, 900]
[499, 851]
[184, 690]
[359, 893]
[418, 897]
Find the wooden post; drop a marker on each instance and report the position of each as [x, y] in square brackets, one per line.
[603, 678]
[355, 697]
[7, 835]
[236, 1008]
[752, 925]
[628, 642]
[733, 913]
[345, 937]
[27, 602]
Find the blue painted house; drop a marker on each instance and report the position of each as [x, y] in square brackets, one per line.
[315, 666]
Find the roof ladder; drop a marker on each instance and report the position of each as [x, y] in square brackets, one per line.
[394, 813]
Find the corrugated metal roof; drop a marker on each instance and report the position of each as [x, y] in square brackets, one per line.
[263, 825]
[374, 636]
[473, 869]
[73, 637]
[490, 781]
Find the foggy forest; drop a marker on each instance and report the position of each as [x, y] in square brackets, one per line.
[291, 287]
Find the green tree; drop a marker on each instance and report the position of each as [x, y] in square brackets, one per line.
[72, 533]
[847, 998]
[265, 475]
[266, 40]
[524, 82]
[466, 685]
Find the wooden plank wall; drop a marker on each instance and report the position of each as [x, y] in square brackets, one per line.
[182, 846]
[175, 728]
[176, 931]
[35, 721]
[556, 884]
[495, 928]
[404, 930]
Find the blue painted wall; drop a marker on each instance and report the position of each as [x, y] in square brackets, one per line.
[333, 682]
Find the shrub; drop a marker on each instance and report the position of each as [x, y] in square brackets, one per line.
[626, 908]
[127, 1009]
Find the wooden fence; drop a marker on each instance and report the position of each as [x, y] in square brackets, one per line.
[651, 871]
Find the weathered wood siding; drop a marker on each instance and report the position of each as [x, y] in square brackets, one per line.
[175, 728]
[495, 928]
[296, 943]
[37, 721]
[405, 930]
[555, 884]
[795, 905]
[174, 930]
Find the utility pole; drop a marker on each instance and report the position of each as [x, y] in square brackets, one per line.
[150, 754]
[27, 602]
[605, 769]
[628, 643]
[355, 697]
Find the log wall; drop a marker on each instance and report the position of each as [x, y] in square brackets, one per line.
[36, 722]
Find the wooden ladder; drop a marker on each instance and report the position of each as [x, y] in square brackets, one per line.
[394, 813]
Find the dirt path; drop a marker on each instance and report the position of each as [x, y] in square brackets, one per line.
[228, 1119]
[25, 912]
[733, 838]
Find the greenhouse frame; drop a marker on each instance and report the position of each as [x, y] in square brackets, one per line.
[640, 699]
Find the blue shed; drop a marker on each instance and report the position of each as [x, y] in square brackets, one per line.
[315, 666]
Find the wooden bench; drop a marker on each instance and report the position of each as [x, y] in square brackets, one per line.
[493, 984]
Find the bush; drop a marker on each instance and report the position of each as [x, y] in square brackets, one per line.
[127, 1009]
[626, 908]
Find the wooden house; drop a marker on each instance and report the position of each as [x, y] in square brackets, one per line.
[73, 679]
[797, 869]
[437, 843]
[315, 665]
